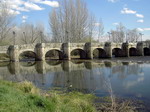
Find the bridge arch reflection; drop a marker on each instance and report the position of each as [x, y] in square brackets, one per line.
[83, 76]
[54, 54]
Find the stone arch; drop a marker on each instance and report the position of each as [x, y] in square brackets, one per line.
[54, 54]
[99, 53]
[27, 55]
[146, 51]
[117, 52]
[133, 51]
[78, 54]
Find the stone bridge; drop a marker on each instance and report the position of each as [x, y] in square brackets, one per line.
[83, 50]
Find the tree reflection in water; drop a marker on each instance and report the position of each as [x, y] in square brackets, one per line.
[85, 76]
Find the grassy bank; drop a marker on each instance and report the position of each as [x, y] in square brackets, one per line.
[24, 97]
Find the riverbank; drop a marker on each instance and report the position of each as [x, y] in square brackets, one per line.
[25, 97]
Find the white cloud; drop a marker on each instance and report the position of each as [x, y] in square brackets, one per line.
[115, 24]
[51, 3]
[14, 2]
[146, 29]
[143, 29]
[97, 24]
[24, 17]
[140, 15]
[113, 1]
[23, 21]
[128, 11]
[140, 29]
[140, 21]
[18, 6]
[22, 9]
[47, 2]
[32, 6]
[13, 12]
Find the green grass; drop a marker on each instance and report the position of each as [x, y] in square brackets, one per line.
[25, 97]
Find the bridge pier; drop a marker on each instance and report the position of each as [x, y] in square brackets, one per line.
[140, 47]
[125, 48]
[66, 51]
[40, 67]
[40, 51]
[108, 50]
[14, 53]
[89, 50]
[14, 68]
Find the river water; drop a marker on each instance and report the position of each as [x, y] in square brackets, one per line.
[126, 78]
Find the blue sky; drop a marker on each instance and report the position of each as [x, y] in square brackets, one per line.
[132, 13]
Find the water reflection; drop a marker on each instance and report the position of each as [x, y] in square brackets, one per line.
[125, 78]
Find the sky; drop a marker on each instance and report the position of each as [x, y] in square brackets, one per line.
[131, 13]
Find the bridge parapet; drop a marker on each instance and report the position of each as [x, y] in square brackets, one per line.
[132, 45]
[27, 46]
[116, 45]
[77, 45]
[53, 45]
[98, 45]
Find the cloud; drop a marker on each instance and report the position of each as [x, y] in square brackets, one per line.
[140, 21]
[32, 6]
[51, 3]
[18, 6]
[24, 17]
[23, 9]
[23, 21]
[140, 15]
[140, 29]
[47, 2]
[115, 24]
[13, 12]
[113, 1]
[146, 29]
[127, 11]
[97, 24]
[143, 29]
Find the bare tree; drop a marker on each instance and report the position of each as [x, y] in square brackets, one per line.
[132, 35]
[6, 22]
[100, 30]
[91, 27]
[118, 35]
[30, 33]
[70, 21]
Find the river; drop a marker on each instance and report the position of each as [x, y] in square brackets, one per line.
[127, 78]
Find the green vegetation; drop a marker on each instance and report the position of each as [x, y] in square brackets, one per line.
[24, 97]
